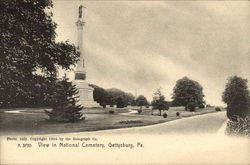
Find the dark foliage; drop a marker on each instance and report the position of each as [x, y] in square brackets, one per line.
[63, 100]
[116, 95]
[159, 101]
[217, 109]
[201, 106]
[165, 115]
[208, 105]
[28, 44]
[141, 101]
[120, 103]
[186, 91]
[236, 97]
[103, 105]
[133, 103]
[191, 106]
[111, 112]
[100, 95]
[30, 92]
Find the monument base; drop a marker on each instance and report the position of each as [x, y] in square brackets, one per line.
[86, 94]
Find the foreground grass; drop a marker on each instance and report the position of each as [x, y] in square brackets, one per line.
[34, 121]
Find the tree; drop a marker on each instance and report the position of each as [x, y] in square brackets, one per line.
[141, 101]
[187, 91]
[100, 95]
[159, 101]
[28, 44]
[236, 97]
[115, 94]
[129, 98]
[120, 102]
[63, 100]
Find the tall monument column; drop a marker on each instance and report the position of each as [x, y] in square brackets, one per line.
[85, 91]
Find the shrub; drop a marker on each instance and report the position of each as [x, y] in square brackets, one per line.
[111, 111]
[165, 115]
[201, 106]
[139, 111]
[208, 105]
[103, 105]
[217, 109]
[177, 113]
[191, 106]
[239, 127]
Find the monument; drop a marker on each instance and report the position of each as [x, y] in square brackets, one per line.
[85, 91]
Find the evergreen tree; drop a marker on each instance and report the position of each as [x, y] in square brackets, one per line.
[159, 101]
[63, 100]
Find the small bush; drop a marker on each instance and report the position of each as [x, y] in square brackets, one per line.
[191, 106]
[208, 105]
[139, 111]
[177, 113]
[120, 106]
[239, 127]
[165, 115]
[201, 106]
[217, 109]
[111, 112]
[103, 105]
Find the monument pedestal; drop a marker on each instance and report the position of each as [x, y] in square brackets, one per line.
[86, 94]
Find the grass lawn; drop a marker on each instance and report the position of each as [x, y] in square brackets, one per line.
[34, 120]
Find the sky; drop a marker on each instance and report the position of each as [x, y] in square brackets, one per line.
[143, 45]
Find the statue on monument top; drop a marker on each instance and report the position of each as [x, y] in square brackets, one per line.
[80, 11]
